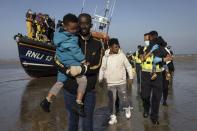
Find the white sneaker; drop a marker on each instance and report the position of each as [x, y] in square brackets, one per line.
[113, 119]
[128, 112]
[131, 107]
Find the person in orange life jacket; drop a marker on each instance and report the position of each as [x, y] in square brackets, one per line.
[29, 23]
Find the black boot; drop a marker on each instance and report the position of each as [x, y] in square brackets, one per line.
[155, 122]
[145, 115]
[165, 103]
[45, 105]
[79, 109]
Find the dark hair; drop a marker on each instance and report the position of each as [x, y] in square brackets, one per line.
[153, 33]
[28, 13]
[113, 41]
[88, 16]
[70, 18]
[160, 41]
[169, 47]
[146, 34]
[34, 16]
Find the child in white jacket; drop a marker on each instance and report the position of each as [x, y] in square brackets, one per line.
[113, 70]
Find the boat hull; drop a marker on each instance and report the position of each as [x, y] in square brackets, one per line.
[36, 57]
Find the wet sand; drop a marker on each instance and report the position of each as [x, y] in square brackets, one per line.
[20, 96]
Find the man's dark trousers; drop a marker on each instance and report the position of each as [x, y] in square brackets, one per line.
[165, 86]
[148, 87]
[73, 118]
[138, 72]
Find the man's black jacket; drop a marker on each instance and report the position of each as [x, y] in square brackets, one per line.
[93, 52]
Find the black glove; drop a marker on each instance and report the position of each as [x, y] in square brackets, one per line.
[84, 69]
[60, 67]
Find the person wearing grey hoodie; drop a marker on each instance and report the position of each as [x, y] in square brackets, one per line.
[113, 70]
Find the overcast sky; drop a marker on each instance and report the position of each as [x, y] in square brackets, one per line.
[175, 20]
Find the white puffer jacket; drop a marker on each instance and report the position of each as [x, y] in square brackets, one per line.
[114, 67]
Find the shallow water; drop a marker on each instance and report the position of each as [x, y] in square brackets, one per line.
[20, 96]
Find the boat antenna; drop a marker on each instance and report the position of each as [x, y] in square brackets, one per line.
[83, 6]
[110, 18]
[112, 11]
[104, 21]
[93, 18]
[107, 8]
[105, 14]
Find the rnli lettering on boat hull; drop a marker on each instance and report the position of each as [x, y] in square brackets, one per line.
[38, 56]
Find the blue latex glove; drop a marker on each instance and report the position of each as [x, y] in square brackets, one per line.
[157, 60]
[154, 48]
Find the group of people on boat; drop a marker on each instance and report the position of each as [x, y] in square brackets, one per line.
[39, 26]
[82, 61]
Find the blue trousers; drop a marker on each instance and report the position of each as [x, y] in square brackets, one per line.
[73, 118]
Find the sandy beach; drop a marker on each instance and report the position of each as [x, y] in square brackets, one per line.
[20, 96]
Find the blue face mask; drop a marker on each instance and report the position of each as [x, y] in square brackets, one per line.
[147, 42]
